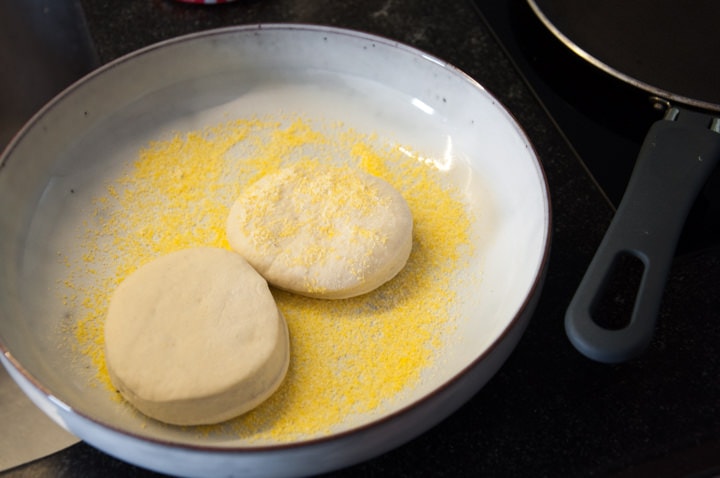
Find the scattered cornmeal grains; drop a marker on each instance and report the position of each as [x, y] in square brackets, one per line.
[349, 356]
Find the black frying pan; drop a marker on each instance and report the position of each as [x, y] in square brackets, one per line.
[670, 49]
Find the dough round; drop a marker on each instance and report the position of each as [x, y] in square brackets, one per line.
[322, 231]
[195, 337]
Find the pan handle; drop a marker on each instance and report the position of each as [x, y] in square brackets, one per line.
[676, 158]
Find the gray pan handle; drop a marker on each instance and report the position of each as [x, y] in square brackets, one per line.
[676, 158]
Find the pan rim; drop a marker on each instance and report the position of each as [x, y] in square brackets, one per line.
[658, 95]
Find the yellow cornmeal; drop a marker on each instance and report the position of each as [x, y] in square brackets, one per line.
[348, 356]
[314, 198]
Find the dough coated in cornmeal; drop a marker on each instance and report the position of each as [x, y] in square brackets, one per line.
[195, 337]
[322, 231]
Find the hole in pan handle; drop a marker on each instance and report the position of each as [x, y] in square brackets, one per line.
[677, 155]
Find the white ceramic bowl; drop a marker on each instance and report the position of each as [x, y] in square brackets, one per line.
[367, 81]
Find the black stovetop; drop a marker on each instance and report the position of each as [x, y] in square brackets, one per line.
[549, 411]
[604, 119]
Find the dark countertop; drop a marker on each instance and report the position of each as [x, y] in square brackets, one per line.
[549, 411]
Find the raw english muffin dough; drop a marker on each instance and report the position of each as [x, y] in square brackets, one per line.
[322, 231]
[195, 337]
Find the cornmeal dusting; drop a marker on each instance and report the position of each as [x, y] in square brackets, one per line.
[314, 200]
[349, 356]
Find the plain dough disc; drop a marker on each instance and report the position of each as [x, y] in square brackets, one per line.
[195, 337]
[322, 231]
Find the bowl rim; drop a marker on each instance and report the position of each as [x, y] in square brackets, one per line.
[531, 294]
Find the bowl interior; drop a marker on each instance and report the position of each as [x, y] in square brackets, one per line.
[70, 151]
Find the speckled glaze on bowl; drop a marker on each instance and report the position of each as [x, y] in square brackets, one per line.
[361, 79]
